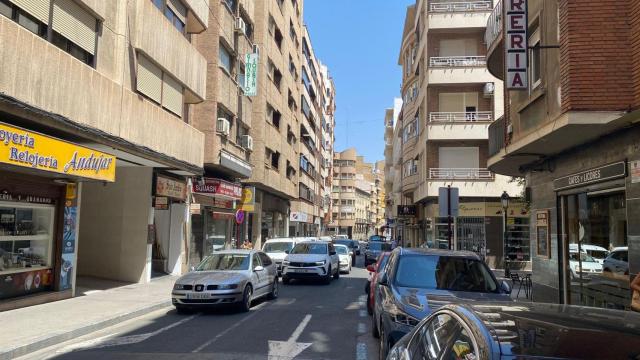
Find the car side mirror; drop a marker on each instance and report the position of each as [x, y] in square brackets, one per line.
[505, 287]
[371, 268]
[383, 279]
[286, 251]
[332, 252]
[258, 268]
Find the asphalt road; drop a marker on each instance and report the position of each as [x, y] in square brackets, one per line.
[315, 320]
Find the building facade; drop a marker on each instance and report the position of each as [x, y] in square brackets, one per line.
[449, 101]
[99, 141]
[392, 160]
[570, 127]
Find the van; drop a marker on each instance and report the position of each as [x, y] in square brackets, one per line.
[278, 248]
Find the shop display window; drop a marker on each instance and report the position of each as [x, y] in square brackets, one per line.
[26, 236]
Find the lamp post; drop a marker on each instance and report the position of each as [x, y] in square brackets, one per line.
[504, 199]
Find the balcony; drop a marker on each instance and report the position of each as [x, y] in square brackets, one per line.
[459, 14]
[459, 125]
[458, 70]
[460, 117]
[460, 174]
[493, 38]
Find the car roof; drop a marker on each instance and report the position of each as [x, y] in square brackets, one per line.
[438, 252]
[587, 247]
[280, 240]
[621, 248]
[555, 331]
[341, 245]
[237, 251]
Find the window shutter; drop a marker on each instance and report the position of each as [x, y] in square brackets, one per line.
[75, 23]
[36, 8]
[179, 9]
[172, 95]
[149, 81]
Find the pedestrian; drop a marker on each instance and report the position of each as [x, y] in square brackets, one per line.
[635, 298]
[247, 245]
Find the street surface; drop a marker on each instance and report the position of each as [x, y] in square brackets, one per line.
[308, 320]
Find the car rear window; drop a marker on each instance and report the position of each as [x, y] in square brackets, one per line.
[377, 245]
[275, 247]
[444, 273]
[310, 248]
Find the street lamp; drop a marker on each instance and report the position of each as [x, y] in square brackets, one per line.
[504, 199]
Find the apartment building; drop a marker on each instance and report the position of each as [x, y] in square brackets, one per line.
[392, 161]
[449, 101]
[99, 141]
[328, 105]
[570, 127]
[378, 202]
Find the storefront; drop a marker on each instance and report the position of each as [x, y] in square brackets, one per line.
[215, 221]
[274, 219]
[170, 209]
[301, 224]
[39, 209]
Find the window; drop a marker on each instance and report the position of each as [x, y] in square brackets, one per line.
[225, 58]
[240, 76]
[292, 102]
[256, 261]
[458, 157]
[224, 113]
[292, 68]
[73, 49]
[231, 5]
[411, 130]
[175, 11]
[249, 26]
[274, 74]
[241, 130]
[266, 261]
[291, 137]
[158, 86]
[273, 116]
[6, 9]
[410, 168]
[306, 109]
[291, 171]
[534, 60]
[272, 159]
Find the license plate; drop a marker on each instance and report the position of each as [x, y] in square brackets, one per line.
[198, 296]
[304, 270]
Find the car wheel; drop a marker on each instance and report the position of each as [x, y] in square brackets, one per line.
[328, 277]
[384, 344]
[285, 279]
[274, 290]
[374, 327]
[245, 305]
[337, 274]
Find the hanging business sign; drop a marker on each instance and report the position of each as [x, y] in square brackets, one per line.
[297, 216]
[210, 186]
[595, 175]
[171, 188]
[248, 199]
[516, 45]
[251, 74]
[407, 210]
[25, 148]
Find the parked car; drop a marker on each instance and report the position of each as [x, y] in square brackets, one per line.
[374, 270]
[325, 238]
[311, 259]
[376, 238]
[618, 261]
[598, 253]
[278, 248]
[227, 277]
[417, 282]
[344, 254]
[353, 246]
[340, 237]
[523, 331]
[583, 267]
[374, 250]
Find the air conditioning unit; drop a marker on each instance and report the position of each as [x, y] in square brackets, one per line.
[241, 26]
[223, 126]
[247, 142]
[488, 89]
[256, 49]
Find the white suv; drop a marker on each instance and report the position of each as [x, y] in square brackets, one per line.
[278, 248]
[311, 259]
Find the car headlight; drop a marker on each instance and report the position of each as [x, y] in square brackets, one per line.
[227, 287]
[178, 287]
[321, 262]
[285, 262]
[400, 317]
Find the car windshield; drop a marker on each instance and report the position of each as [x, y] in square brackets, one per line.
[342, 250]
[444, 273]
[347, 243]
[278, 247]
[379, 246]
[229, 262]
[598, 254]
[310, 248]
[583, 257]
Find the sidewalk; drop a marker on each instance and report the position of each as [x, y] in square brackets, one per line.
[36, 327]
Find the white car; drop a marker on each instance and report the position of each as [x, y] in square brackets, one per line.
[597, 252]
[278, 248]
[584, 266]
[344, 254]
[325, 238]
[311, 259]
[341, 237]
[618, 261]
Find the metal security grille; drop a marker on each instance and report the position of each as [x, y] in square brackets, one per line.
[471, 234]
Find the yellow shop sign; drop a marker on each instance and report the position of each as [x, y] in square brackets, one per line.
[21, 147]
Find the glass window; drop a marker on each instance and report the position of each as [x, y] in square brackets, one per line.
[436, 338]
[278, 247]
[29, 23]
[266, 261]
[256, 261]
[6, 9]
[158, 3]
[224, 262]
[225, 58]
[309, 248]
[231, 4]
[342, 250]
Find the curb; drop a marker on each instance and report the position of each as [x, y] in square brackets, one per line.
[55, 339]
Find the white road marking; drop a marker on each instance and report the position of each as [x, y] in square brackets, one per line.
[110, 341]
[362, 328]
[286, 350]
[361, 351]
[363, 313]
[254, 311]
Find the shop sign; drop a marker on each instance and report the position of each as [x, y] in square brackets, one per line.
[542, 234]
[634, 171]
[516, 44]
[248, 199]
[251, 74]
[171, 188]
[24, 148]
[7, 196]
[161, 203]
[210, 186]
[297, 216]
[407, 210]
[472, 209]
[194, 209]
[592, 176]
[25, 283]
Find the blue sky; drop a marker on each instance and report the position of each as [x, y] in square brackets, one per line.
[359, 40]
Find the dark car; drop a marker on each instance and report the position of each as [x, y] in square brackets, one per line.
[417, 282]
[522, 331]
[353, 245]
[374, 249]
[374, 270]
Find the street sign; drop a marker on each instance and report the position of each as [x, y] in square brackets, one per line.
[251, 74]
[444, 202]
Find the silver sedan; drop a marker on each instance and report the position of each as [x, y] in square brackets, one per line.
[227, 277]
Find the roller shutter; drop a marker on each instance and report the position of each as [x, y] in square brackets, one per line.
[172, 95]
[75, 24]
[36, 8]
[149, 80]
[179, 9]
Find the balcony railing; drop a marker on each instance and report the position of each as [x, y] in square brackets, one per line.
[460, 174]
[457, 61]
[496, 136]
[460, 6]
[494, 25]
[460, 117]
